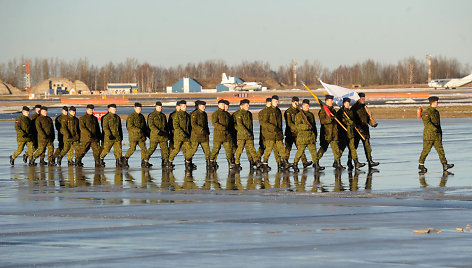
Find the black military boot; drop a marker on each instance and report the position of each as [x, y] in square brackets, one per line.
[70, 163]
[148, 164]
[124, 161]
[338, 164]
[295, 167]
[78, 162]
[422, 168]
[118, 162]
[25, 158]
[188, 166]
[265, 167]
[317, 166]
[59, 160]
[350, 166]
[307, 164]
[192, 165]
[372, 163]
[31, 162]
[102, 162]
[12, 160]
[98, 163]
[279, 166]
[170, 165]
[52, 162]
[42, 162]
[447, 166]
[231, 165]
[145, 163]
[358, 164]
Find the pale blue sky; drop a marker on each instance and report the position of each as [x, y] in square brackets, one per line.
[168, 33]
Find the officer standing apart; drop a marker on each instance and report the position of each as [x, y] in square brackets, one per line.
[346, 138]
[71, 132]
[182, 128]
[362, 121]
[112, 136]
[273, 135]
[90, 136]
[157, 124]
[329, 132]
[291, 129]
[58, 124]
[46, 135]
[200, 134]
[432, 135]
[306, 135]
[221, 121]
[24, 135]
[137, 132]
[245, 135]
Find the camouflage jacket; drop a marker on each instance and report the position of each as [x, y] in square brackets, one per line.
[89, 128]
[347, 121]
[70, 129]
[329, 129]
[23, 128]
[221, 121]
[136, 126]
[58, 122]
[182, 126]
[45, 128]
[199, 124]
[432, 124]
[361, 118]
[272, 124]
[290, 127]
[157, 124]
[112, 129]
[244, 125]
[307, 132]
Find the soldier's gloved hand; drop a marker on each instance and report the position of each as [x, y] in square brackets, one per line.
[162, 133]
[111, 137]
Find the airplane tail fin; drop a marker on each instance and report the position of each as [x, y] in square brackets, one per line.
[224, 78]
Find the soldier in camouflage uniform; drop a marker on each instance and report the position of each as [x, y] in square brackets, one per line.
[182, 128]
[291, 129]
[71, 132]
[346, 138]
[46, 136]
[112, 136]
[362, 119]
[157, 124]
[432, 135]
[90, 136]
[232, 128]
[245, 135]
[200, 134]
[37, 112]
[260, 115]
[273, 135]
[329, 132]
[24, 135]
[221, 121]
[137, 133]
[170, 125]
[58, 125]
[306, 135]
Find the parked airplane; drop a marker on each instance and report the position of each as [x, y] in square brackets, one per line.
[450, 83]
[232, 84]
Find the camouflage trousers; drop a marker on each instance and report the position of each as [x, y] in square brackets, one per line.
[194, 146]
[350, 143]
[164, 149]
[69, 148]
[42, 145]
[289, 141]
[301, 152]
[324, 147]
[228, 145]
[250, 150]
[184, 145]
[117, 148]
[367, 148]
[427, 145]
[278, 148]
[132, 148]
[85, 147]
[21, 146]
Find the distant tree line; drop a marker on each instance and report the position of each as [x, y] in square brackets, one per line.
[151, 78]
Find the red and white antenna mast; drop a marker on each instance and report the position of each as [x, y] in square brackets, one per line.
[27, 77]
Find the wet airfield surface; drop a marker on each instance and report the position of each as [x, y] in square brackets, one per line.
[67, 216]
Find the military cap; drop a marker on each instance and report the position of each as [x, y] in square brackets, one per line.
[90, 106]
[346, 100]
[44, 108]
[244, 101]
[361, 95]
[65, 108]
[433, 99]
[295, 99]
[329, 97]
[112, 105]
[183, 102]
[37, 106]
[72, 108]
[221, 101]
[275, 97]
[268, 99]
[177, 103]
[25, 108]
[226, 102]
[137, 104]
[109, 105]
[307, 101]
[158, 103]
[200, 102]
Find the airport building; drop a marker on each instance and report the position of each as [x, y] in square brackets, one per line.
[122, 88]
[185, 85]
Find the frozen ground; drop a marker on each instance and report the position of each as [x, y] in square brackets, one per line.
[61, 216]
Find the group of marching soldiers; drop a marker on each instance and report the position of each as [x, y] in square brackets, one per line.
[183, 131]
